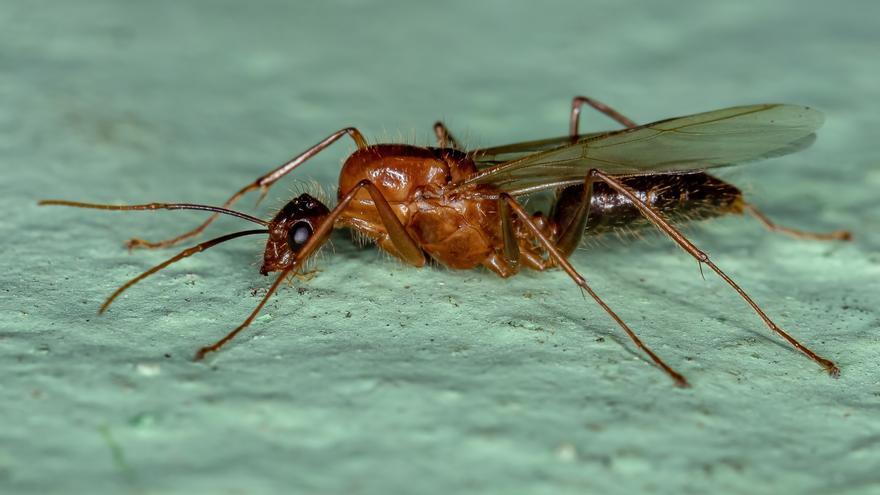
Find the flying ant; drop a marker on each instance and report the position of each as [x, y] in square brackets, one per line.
[461, 209]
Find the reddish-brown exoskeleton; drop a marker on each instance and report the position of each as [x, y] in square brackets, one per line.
[460, 208]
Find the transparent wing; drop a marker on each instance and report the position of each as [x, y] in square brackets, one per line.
[484, 157]
[695, 142]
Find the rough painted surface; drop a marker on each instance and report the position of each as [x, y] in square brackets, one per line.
[375, 378]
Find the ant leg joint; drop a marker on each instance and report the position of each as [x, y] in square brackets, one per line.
[578, 101]
[357, 137]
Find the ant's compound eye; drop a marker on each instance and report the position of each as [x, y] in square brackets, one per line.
[298, 235]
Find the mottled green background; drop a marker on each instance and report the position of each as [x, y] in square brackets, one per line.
[375, 378]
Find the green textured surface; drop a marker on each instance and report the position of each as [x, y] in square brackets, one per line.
[378, 378]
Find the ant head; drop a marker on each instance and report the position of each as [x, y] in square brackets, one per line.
[289, 231]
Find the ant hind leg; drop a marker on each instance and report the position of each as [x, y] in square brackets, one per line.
[578, 101]
[837, 235]
[661, 223]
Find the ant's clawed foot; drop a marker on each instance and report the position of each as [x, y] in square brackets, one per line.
[304, 277]
[841, 235]
[264, 191]
[680, 380]
[201, 353]
[830, 368]
[136, 243]
[837, 235]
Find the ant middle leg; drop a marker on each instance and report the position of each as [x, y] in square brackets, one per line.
[560, 260]
[507, 263]
[263, 183]
[444, 137]
[837, 235]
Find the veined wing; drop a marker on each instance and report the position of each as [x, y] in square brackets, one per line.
[695, 142]
[484, 157]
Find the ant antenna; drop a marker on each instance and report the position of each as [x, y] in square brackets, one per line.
[155, 206]
[179, 256]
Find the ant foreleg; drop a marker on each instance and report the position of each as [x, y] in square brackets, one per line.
[837, 235]
[582, 283]
[263, 183]
[405, 245]
[220, 343]
[400, 241]
[661, 223]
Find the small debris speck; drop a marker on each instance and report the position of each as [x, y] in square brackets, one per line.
[148, 369]
[566, 452]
